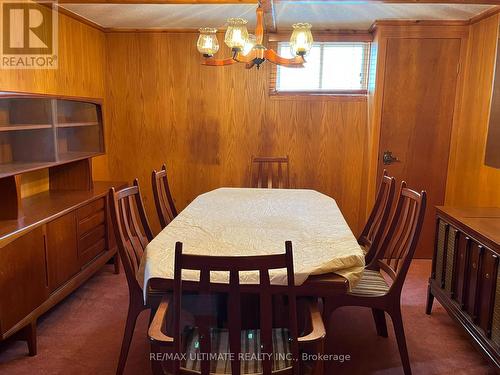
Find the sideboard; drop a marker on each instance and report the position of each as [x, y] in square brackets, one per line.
[54, 233]
[465, 276]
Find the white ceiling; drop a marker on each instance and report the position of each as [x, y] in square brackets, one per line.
[333, 16]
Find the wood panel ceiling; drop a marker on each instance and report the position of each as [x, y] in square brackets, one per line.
[323, 15]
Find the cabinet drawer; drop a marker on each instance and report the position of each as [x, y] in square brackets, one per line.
[91, 222]
[91, 252]
[91, 238]
[89, 209]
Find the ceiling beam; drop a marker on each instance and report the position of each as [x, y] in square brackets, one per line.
[157, 1]
[269, 15]
[476, 2]
[485, 2]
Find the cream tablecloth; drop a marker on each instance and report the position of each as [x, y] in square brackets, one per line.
[232, 221]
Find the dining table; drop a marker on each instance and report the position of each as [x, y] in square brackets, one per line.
[327, 258]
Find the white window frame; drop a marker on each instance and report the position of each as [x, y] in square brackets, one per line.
[319, 91]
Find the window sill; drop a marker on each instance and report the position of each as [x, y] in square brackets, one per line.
[354, 96]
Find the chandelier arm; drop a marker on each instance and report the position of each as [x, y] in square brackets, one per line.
[245, 59]
[259, 27]
[218, 62]
[273, 57]
[250, 65]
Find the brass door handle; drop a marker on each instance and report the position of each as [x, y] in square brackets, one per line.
[388, 158]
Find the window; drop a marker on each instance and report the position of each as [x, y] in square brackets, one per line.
[331, 67]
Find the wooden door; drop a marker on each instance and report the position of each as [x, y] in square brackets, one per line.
[417, 112]
[23, 278]
[62, 254]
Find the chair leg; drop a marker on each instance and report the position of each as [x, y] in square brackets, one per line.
[328, 308]
[430, 300]
[156, 363]
[380, 322]
[116, 263]
[397, 322]
[30, 337]
[133, 313]
[319, 366]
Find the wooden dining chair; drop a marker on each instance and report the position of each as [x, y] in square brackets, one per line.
[393, 258]
[132, 236]
[270, 172]
[376, 225]
[278, 347]
[165, 206]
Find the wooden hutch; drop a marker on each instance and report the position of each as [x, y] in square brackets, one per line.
[465, 273]
[57, 235]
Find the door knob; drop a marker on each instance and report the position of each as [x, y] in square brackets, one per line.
[388, 158]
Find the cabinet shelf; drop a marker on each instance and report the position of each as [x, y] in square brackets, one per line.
[77, 124]
[41, 132]
[9, 169]
[18, 127]
[71, 156]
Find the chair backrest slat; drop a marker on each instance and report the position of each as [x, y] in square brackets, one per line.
[234, 317]
[130, 238]
[398, 247]
[280, 176]
[270, 172]
[269, 175]
[131, 227]
[165, 206]
[234, 265]
[266, 321]
[376, 225]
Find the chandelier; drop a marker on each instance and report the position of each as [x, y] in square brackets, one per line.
[249, 49]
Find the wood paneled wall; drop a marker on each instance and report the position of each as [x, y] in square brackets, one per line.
[161, 105]
[206, 123]
[81, 61]
[470, 182]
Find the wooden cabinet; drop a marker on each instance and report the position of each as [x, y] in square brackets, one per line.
[53, 241]
[465, 274]
[62, 240]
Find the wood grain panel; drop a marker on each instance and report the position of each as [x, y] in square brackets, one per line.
[492, 157]
[62, 254]
[416, 70]
[23, 280]
[420, 73]
[81, 65]
[470, 182]
[206, 123]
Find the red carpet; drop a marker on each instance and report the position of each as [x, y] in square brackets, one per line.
[83, 334]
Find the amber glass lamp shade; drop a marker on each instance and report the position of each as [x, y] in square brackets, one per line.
[250, 43]
[301, 40]
[236, 34]
[207, 43]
